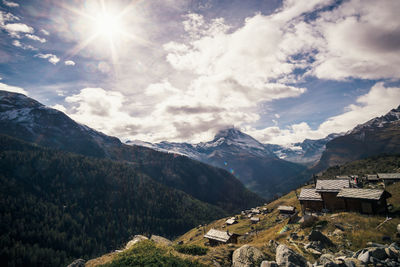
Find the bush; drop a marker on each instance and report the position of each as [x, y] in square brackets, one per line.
[146, 253]
[191, 249]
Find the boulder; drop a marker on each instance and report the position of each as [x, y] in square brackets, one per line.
[161, 240]
[307, 221]
[287, 257]
[135, 239]
[326, 259]
[269, 264]
[318, 236]
[246, 256]
[77, 263]
[317, 245]
[273, 245]
[378, 253]
[364, 257]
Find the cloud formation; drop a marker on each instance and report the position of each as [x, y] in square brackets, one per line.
[69, 63]
[10, 4]
[53, 59]
[11, 88]
[35, 38]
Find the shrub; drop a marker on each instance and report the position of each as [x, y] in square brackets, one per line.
[191, 249]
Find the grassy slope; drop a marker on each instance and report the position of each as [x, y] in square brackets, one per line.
[359, 228]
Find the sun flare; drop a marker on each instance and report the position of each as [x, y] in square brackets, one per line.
[108, 25]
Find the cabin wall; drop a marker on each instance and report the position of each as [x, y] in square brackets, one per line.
[366, 206]
[331, 202]
[312, 205]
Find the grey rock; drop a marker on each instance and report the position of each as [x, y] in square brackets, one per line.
[287, 257]
[273, 245]
[364, 257]
[326, 258]
[269, 264]
[77, 263]
[318, 236]
[161, 240]
[372, 244]
[378, 253]
[135, 239]
[246, 256]
[350, 262]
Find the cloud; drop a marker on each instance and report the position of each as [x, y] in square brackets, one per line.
[35, 38]
[10, 4]
[53, 59]
[59, 107]
[14, 29]
[69, 63]
[45, 32]
[11, 88]
[377, 102]
[17, 43]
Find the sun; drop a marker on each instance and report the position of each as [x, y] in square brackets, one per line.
[108, 25]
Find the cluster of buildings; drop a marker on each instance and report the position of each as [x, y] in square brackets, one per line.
[342, 194]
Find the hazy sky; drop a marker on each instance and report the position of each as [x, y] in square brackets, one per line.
[180, 70]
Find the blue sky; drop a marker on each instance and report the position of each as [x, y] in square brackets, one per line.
[180, 70]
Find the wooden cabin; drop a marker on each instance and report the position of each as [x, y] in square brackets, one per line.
[370, 201]
[231, 221]
[286, 210]
[254, 220]
[372, 178]
[310, 200]
[217, 237]
[328, 189]
[389, 178]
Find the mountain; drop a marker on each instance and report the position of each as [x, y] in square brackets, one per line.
[58, 206]
[26, 119]
[242, 155]
[307, 152]
[378, 136]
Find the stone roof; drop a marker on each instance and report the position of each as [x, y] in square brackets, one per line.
[222, 236]
[309, 194]
[286, 208]
[331, 185]
[372, 177]
[231, 221]
[372, 194]
[389, 176]
[255, 219]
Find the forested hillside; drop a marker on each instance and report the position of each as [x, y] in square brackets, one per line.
[57, 206]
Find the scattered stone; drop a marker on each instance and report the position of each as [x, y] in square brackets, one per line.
[269, 264]
[337, 232]
[307, 221]
[339, 226]
[246, 256]
[318, 236]
[287, 257]
[161, 240]
[378, 253]
[135, 239]
[77, 263]
[273, 245]
[364, 257]
[314, 252]
[326, 258]
[372, 244]
[317, 245]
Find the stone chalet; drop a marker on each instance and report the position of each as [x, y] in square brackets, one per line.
[336, 195]
[217, 237]
[328, 189]
[364, 200]
[389, 178]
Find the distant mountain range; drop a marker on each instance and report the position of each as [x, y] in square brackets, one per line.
[26, 119]
[378, 136]
[254, 163]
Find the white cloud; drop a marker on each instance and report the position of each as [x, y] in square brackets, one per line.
[17, 43]
[45, 32]
[14, 29]
[69, 63]
[11, 88]
[35, 38]
[377, 102]
[53, 59]
[10, 4]
[59, 107]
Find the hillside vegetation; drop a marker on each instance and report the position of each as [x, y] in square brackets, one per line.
[358, 229]
[57, 206]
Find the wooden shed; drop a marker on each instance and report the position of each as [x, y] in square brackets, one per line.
[217, 237]
[310, 200]
[288, 210]
[370, 201]
[328, 189]
[231, 221]
[389, 178]
[372, 178]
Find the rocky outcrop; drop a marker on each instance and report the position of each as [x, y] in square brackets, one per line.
[318, 236]
[247, 256]
[135, 239]
[384, 255]
[269, 264]
[161, 240]
[77, 263]
[287, 257]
